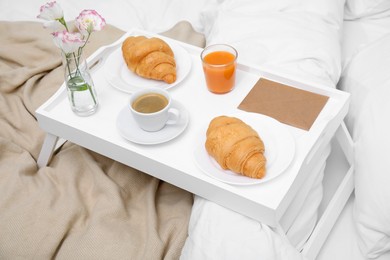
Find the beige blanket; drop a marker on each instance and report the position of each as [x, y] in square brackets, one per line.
[83, 205]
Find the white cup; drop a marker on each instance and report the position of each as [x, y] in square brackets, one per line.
[151, 111]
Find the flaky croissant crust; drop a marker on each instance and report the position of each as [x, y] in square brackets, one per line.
[236, 146]
[150, 58]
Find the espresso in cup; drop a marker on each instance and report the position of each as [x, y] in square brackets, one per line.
[152, 109]
[150, 103]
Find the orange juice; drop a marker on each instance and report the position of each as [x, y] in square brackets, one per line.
[219, 68]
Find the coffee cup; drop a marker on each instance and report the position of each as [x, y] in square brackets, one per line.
[152, 109]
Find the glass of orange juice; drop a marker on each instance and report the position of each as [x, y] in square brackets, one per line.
[219, 66]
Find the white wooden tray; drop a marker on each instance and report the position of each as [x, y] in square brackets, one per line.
[173, 161]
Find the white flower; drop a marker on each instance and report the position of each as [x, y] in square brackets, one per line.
[89, 21]
[68, 42]
[55, 25]
[51, 11]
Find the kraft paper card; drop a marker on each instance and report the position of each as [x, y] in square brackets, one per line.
[289, 105]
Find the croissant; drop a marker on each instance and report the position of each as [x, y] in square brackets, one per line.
[150, 58]
[236, 146]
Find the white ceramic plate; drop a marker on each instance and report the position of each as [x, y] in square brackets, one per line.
[119, 76]
[279, 150]
[130, 130]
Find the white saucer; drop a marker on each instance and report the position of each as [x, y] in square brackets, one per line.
[130, 130]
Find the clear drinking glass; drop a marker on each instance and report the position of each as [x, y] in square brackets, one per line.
[219, 66]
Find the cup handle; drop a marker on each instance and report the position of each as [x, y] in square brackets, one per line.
[174, 116]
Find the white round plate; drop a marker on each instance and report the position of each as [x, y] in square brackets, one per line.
[130, 130]
[279, 150]
[119, 76]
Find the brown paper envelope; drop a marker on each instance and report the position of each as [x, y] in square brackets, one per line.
[289, 105]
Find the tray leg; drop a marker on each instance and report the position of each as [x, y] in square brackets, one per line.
[47, 150]
[338, 201]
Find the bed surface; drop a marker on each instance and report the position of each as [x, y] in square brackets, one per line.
[162, 17]
[365, 75]
[96, 199]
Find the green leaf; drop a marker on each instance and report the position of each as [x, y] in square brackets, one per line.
[77, 84]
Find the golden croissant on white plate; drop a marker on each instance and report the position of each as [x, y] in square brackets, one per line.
[236, 146]
[150, 58]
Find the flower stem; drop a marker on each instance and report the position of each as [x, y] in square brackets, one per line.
[86, 41]
[67, 60]
[93, 96]
[77, 62]
[72, 96]
[63, 22]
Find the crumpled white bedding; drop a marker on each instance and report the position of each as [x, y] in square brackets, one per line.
[365, 63]
[218, 233]
[298, 39]
[358, 34]
[366, 77]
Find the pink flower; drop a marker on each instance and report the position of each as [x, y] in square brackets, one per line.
[51, 11]
[68, 42]
[89, 21]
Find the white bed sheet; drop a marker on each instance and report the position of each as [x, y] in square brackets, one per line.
[365, 75]
[300, 48]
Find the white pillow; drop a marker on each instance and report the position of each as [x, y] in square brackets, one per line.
[330, 10]
[367, 79]
[299, 39]
[372, 182]
[355, 9]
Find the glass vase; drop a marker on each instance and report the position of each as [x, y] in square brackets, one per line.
[81, 91]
